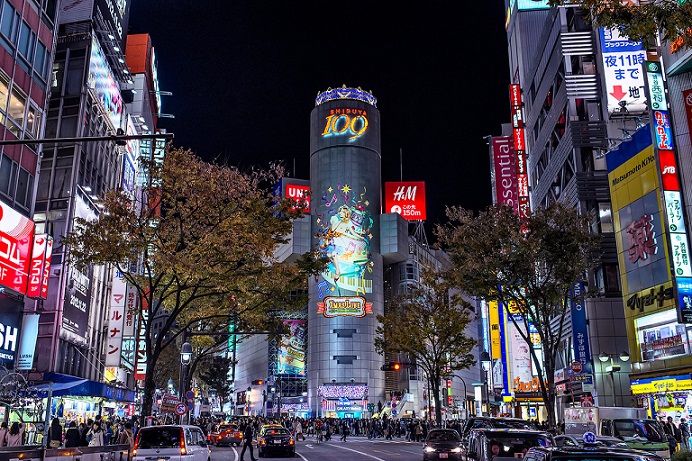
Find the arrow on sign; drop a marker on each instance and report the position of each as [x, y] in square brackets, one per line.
[618, 93]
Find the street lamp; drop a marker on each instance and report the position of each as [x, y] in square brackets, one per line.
[485, 365]
[185, 359]
[613, 368]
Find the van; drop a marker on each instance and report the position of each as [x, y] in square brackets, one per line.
[171, 443]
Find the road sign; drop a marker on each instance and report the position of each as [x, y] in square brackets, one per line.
[587, 383]
[180, 408]
[586, 400]
[577, 367]
[168, 403]
[189, 395]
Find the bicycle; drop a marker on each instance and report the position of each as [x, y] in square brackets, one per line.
[319, 436]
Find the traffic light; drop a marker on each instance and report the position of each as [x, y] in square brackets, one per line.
[391, 366]
[257, 382]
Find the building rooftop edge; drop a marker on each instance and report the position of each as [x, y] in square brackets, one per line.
[345, 93]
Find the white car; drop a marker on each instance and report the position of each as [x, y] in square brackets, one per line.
[171, 443]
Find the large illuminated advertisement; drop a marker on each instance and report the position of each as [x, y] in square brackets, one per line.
[103, 83]
[16, 240]
[406, 198]
[291, 355]
[622, 70]
[505, 177]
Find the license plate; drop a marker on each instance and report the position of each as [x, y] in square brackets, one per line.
[277, 442]
[444, 455]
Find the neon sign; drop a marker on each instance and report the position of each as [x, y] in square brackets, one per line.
[346, 122]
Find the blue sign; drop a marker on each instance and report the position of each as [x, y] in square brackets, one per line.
[589, 437]
[532, 5]
[580, 334]
[684, 299]
[613, 42]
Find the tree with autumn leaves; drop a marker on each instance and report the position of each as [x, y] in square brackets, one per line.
[530, 264]
[197, 242]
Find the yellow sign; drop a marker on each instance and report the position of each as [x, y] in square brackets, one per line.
[662, 386]
[494, 321]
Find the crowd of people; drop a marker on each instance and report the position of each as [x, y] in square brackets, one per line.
[92, 433]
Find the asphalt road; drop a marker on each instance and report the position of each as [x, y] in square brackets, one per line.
[355, 449]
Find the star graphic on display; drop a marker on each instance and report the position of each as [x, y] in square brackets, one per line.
[370, 235]
[330, 189]
[332, 289]
[319, 220]
[367, 203]
[346, 189]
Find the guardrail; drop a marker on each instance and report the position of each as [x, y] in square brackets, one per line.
[38, 453]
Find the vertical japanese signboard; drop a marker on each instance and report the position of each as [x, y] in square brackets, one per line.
[672, 194]
[141, 343]
[116, 318]
[40, 266]
[580, 335]
[518, 134]
[622, 70]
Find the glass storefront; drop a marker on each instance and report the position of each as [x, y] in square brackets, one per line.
[660, 336]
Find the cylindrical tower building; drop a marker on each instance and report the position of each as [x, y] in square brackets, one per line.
[344, 369]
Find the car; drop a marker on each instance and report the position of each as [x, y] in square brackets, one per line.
[275, 439]
[489, 422]
[226, 434]
[442, 444]
[574, 441]
[171, 443]
[588, 454]
[504, 444]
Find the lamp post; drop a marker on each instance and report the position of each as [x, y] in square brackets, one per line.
[185, 359]
[613, 368]
[485, 365]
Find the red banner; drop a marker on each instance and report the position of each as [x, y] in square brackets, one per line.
[505, 172]
[300, 194]
[38, 254]
[405, 198]
[16, 239]
[669, 176]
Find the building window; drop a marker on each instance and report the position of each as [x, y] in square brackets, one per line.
[27, 39]
[605, 216]
[8, 23]
[8, 171]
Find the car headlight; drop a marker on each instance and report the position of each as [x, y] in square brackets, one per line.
[428, 449]
[456, 450]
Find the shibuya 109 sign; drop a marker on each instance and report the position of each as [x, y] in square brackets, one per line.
[405, 198]
[347, 122]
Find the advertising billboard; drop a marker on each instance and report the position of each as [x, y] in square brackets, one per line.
[622, 70]
[505, 178]
[116, 317]
[27, 342]
[40, 266]
[524, 5]
[76, 307]
[10, 326]
[296, 189]
[103, 83]
[16, 239]
[292, 348]
[405, 198]
[520, 167]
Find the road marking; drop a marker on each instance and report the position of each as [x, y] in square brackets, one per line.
[304, 458]
[235, 454]
[356, 451]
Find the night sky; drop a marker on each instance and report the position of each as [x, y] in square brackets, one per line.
[244, 76]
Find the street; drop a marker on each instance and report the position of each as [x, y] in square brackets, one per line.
[355, 449]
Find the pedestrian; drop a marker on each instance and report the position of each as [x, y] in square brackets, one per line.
[298, 429]
[127, 436]
[344, 430]
[669, 429]
[15, 437]
[109, 434]
[72, 436]
[3, 434]
[83, 431]
[55, 434]
[685, 433]
[248, 434]
[95, 435]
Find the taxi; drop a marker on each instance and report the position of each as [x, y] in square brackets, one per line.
[590, 450]
[226, 434]
[275, 439]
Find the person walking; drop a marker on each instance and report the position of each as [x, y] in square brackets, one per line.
[15, 437]
[72, 436]
[669, 430]
[684, 433]
[298, 429]
[344, 430]
[55, 434]
[248, 434]
[95, 435]
[3, 434]
[127, 436]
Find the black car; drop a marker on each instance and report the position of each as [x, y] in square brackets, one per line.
[275, 439]
[589, 454]
[442, 444]
[488, 422]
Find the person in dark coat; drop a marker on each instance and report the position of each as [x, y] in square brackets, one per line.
[247, 441]
[55, 434]
[72, 436]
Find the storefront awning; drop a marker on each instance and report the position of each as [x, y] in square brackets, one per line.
[72, 386]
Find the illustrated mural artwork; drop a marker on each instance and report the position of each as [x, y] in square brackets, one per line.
[344, 235]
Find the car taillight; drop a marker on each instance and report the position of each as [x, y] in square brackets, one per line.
[262, 442]
[134, 449]
[183, 450]
[291, 441]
